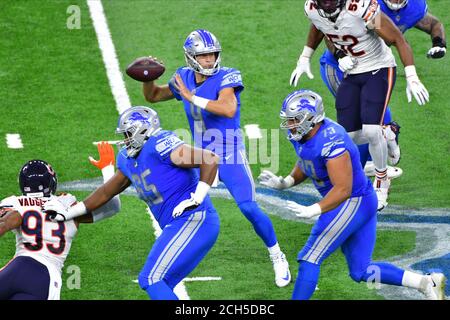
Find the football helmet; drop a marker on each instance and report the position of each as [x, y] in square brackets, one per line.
[37, 179]
[329, 8]
[396, 5]
[137, 124]
[201, 42]
[301, 110]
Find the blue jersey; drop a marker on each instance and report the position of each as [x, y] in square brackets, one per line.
[158, 182]
[211, 131]
[329, 142]
[408, 16]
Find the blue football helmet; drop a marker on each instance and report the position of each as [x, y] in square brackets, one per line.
[329, 8]
[396, 5]
[37, 179]
[137, 124]
[201, 42]
[300, 112]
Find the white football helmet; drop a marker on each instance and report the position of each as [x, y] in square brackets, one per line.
[137, 124]
[201, 42]
[396, 5]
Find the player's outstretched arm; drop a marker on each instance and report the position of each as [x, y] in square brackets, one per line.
[387, 30]
[155, 93]
[315, 37]
[431, 25]
[187, 156]
[9, 220]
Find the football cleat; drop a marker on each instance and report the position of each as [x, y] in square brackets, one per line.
[382, 189]
[435, 286]
[281, 268]
[392, 172]
[391, 132]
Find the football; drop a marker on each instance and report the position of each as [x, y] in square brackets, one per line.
[145, 69]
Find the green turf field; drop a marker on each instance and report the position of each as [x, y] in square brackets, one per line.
[54, 92]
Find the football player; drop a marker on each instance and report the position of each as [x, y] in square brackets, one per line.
[405, 15]
[42, 245]
[211, 98]
[360, 30]
[160, 168]
[347, 213]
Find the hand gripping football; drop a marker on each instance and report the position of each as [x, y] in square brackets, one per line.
[145, 69]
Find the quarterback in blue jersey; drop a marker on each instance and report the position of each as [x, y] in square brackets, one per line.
[348, 210]
[211, 98]
[406, 14]
[161, 169]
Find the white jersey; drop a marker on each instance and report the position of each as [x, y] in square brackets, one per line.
[351, 34]
[38, 237]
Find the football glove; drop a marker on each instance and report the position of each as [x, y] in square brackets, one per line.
[347, 63]
[185, 205]
[414, 87]
[58, 211]
[270, 180]
[106, 152]
[303, 66]
[304, 211]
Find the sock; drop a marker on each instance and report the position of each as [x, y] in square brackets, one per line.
[414, 280]
[381, 175]
[388, 273]
[274, 250]
[306, 283]
[161, 291]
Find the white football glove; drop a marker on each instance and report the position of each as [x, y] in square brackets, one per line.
[393, 147]
[303, 211]
[270, 180]
[347, 63]
[414, 87]
[436, 52]
[56, 210]
[303, 66]
[185, 205]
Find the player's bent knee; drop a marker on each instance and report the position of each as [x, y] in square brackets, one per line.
[372, 132]
[250, 209]
[357, 276]
[145, 280]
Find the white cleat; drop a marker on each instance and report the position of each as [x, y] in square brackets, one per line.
[281, 268]
[382, 189]
[392, 172]
[435, 287]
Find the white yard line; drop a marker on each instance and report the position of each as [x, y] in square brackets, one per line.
[13, 141]
[118, 88]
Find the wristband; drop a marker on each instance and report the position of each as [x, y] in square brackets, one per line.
[75, 211]
[410, 71]
[314, 209]
[200, 102]
[289, 181]
[307, 52]
[107, 172]
[201, 191]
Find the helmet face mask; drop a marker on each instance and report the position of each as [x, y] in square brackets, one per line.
[396, 5]
[300, 112]
[329, 8]
[137, 124]
[37, 179]
[201, 42]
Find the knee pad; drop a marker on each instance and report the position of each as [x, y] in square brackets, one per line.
[373, 133]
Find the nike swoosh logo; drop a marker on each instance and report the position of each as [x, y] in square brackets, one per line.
[287, 276]
[375, 72]
[228, 157]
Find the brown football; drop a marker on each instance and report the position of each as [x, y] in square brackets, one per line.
[145, 69]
